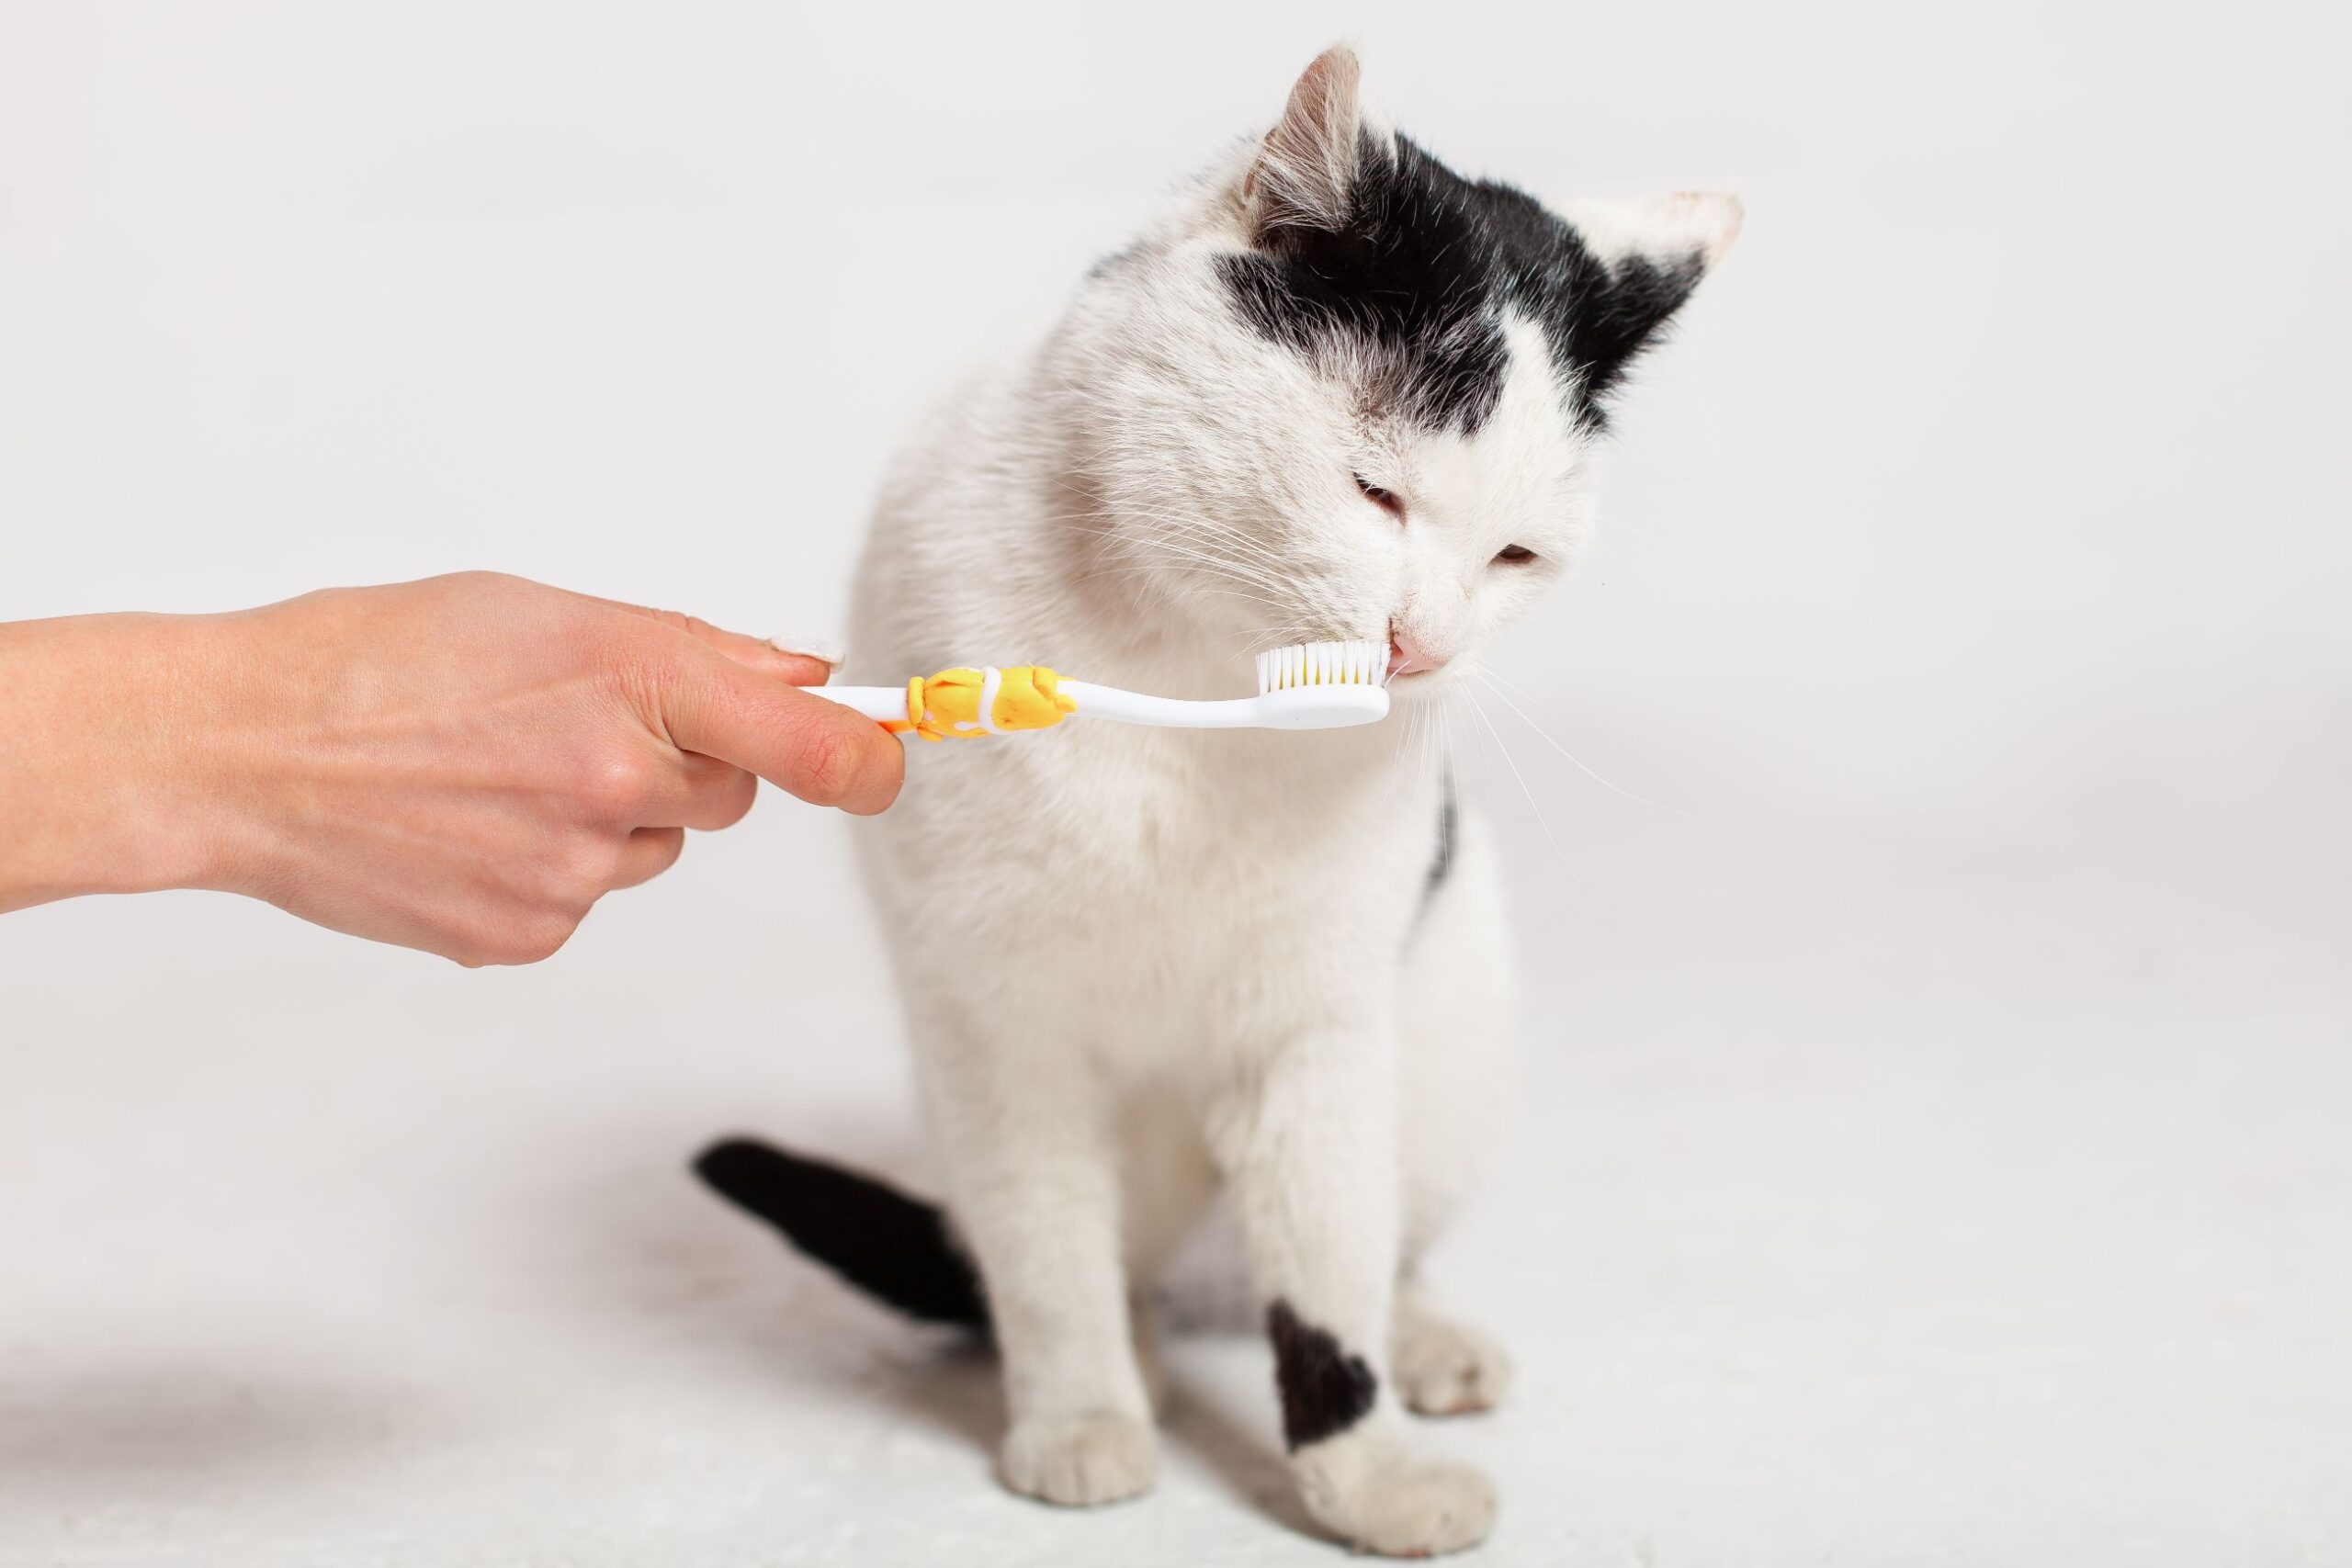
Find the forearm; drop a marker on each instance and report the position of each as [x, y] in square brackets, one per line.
[464, 764]
[106, 727]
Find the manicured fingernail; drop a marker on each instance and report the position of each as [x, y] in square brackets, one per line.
[818, 649]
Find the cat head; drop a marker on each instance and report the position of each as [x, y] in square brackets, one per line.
[1341, 391]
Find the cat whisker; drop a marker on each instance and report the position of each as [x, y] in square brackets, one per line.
[1541, 821]
[1198, 550]
[1194, 529]
[1503, 697]
[1209, 564]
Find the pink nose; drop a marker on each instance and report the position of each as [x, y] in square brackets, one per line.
[1407, 656]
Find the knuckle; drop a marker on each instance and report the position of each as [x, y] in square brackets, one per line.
[634, 661]
[735, 803]
[617, 786]
[532, 938]
[545, 938]
[490, 949]
[467, 938]
[585, 867]
[831, 763]
[483, 583]
[673, 846]
[519, 925]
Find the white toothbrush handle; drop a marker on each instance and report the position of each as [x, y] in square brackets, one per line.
[1168, 713]
[1300, 707]
[873, 702]
[1093, 701]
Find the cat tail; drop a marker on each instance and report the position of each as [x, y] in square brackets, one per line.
[896, 1248]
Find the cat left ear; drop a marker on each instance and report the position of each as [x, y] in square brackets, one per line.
[1653, 251]
[1304, 174]
[1687, 231]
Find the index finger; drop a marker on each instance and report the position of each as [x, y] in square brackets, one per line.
[820, 750]
[800, 666]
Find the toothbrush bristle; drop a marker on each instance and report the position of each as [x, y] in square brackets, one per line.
[1323, 664]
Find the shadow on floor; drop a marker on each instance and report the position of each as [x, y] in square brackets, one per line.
[121, 1429]
[664, 1260]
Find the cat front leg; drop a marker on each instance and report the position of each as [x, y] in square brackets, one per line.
[1455, 1045]
[1036, 1196]
[1309, 1143]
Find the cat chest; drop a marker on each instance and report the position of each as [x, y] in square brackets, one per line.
[1170, 915]
[1148, 892]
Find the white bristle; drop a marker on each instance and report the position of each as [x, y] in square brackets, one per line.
[1322, 664]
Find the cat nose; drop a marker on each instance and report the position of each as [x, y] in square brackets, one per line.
[1407, 656]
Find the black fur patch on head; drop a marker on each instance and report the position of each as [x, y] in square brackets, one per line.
[1418, 277]
[1324, 1390]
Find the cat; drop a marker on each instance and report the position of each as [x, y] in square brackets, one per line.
[1336, 391]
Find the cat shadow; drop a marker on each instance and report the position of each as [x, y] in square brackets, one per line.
[207, 1416]
[669, 1264]
[675, 1270]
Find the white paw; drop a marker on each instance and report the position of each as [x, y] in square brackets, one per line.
[1408, 1510]
[1444, 1368]
[1081, 1461]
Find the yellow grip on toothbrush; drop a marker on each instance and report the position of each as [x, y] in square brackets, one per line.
[960, 704]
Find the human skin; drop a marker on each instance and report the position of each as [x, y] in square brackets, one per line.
[463, 765]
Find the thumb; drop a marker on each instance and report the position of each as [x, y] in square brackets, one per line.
[759, 720]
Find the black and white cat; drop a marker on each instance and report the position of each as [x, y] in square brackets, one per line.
[1337, 392]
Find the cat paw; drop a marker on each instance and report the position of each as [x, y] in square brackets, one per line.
[1444, 1368]
[1081, 1461]
[1409, 1509]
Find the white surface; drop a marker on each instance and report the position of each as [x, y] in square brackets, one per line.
[1936, 1148]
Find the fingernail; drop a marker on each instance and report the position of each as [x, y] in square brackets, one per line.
[818, 649]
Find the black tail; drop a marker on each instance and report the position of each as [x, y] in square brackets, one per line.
[885, 1243]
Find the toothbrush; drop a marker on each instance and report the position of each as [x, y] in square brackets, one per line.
[1315, 685]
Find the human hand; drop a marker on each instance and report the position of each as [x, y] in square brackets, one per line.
[464, 764]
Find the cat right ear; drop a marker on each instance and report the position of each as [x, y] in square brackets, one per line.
[1304, 174]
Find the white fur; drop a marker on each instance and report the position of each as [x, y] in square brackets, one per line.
[1141, 963]
[1705, 221]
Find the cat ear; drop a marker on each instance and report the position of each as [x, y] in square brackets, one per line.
[1304, 173]
[1654, 252]
[1689, 231]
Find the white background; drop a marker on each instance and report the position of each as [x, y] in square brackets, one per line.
[1934, 1149]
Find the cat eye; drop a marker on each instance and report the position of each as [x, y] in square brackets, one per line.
[1514, 554]
[1389, 500]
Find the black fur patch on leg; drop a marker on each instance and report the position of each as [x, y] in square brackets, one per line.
[1325, 1391]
